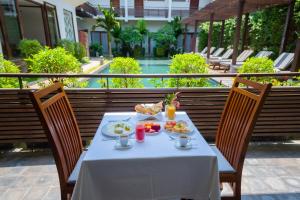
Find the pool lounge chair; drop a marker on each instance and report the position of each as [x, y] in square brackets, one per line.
[260, 54]
[241, 58]
[211, 51]
[283, 62]
[214, 61]
[216, 53]
[203, 51]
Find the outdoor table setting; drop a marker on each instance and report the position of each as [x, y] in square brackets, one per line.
[138, 157]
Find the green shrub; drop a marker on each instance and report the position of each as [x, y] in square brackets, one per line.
[121, 65]
[29, 47]
[57, 60]
[8, 67]
[258, 65]
[80, 51]
[68, 45]
[74, 48]
[190, 63]
[94, 48]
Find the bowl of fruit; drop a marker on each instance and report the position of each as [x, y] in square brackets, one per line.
[151, 128]
[178, 127]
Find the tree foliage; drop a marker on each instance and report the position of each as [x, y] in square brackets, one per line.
[74, 48]
[121, 65]
[266, 28]
[8, 67]
[190, 63]
[29, 47]
[177, 26]
[108, 22]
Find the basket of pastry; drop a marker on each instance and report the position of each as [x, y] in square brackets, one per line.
[149, 111]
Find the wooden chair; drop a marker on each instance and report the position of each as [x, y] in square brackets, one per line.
[235, 129]
[63, 134]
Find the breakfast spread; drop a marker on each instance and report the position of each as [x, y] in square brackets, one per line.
[177, 127]
[149, 109]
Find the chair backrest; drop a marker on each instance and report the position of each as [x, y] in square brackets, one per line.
[212, 50]
[227, 54]
[60, 124]
[238, 120]
[262, 54]
[284, 61]
[244, 55]
[218, 52]
[203, 51]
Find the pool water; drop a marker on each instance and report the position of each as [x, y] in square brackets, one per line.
[148, 67]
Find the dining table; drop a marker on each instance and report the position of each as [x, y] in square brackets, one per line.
[151, 170]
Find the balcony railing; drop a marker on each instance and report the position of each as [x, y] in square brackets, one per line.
[162, 77]
[140, 11]
[19, 121]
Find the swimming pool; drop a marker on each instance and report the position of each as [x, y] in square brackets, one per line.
[148, 67]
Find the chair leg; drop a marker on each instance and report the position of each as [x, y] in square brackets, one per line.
[237, 190]
[64, 195]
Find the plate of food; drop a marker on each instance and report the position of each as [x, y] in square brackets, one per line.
[176, 128]
[149, 111]
[151, 127]
[115, 129]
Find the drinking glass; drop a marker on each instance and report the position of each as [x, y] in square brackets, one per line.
[140, 133]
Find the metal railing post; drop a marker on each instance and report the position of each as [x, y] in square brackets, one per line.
[20, 82]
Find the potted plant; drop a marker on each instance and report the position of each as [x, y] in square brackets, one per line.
[171, 104]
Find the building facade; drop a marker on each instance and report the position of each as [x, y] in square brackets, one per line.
[44, 20]
[156, 13]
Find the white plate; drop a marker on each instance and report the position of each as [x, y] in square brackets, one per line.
[118, 146]
[187, 147]
[109, 130]
[176, 134]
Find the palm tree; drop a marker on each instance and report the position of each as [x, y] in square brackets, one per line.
[108, 22]
[141, 26]
[116, 33]
[176, 25]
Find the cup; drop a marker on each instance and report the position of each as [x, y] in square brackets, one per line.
[140, 132]
[184, 140]
[123, 139]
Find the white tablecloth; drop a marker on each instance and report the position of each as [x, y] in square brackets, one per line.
[153, 170]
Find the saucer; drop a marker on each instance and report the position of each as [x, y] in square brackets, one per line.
[187, 147]
[118, 146]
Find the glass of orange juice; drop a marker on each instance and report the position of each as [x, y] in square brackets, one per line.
[171, 109]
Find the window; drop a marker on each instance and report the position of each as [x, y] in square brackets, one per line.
[52, 24]
[11, 25]
[69, 26]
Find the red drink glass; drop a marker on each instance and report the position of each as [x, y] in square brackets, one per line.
[140, 132]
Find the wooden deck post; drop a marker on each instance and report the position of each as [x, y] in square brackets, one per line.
[237, 31]
[245, 31]
[288, 20]
[296, 62]
[211, 24]
[184, 37]
[221, 37]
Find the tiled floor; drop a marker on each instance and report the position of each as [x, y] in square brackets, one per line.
[271, 172]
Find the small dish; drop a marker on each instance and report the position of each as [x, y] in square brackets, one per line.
[187, 147]
[118, 146]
